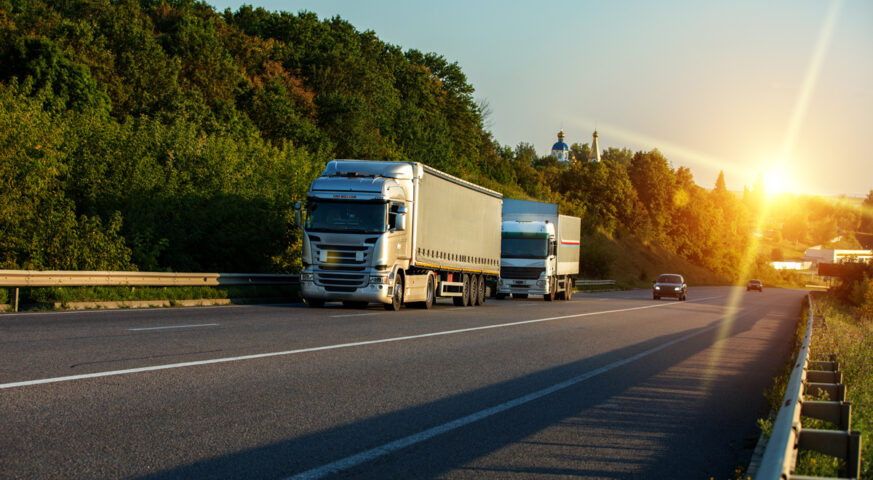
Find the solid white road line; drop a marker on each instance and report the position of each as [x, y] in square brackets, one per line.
[354, 315]
[323, 348]
[172, 326]
[391, 447]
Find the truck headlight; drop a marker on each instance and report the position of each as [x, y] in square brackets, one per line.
[677, 288]
[541, 283]
[378, 279]
[657, 287]
[307, 277]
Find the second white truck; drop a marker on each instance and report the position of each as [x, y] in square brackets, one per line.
[539, 251]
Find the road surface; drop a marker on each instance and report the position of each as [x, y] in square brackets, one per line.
[608, 385]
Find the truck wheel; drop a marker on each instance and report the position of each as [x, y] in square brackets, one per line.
[314, 302]
[473, 284]
[551, 295]
[480, 299]
[397, 298]
[428, 302]
[568, 293]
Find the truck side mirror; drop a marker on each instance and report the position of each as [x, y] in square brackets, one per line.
[400, 220]
[298, 218]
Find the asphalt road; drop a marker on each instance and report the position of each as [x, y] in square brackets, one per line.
[608, 385]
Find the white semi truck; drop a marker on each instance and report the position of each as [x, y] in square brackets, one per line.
[397, 233]
[539, 251]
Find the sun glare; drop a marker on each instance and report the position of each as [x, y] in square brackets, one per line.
[776, 182]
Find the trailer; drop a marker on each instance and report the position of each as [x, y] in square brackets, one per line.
[539, 251]
[397, 233]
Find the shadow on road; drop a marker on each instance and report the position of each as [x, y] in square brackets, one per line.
[672, 413]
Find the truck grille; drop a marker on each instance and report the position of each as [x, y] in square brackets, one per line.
[522, 273]
[341, 268]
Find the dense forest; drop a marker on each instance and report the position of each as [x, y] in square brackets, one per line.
[158, 135]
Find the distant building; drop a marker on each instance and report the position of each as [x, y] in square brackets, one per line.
[832, 255]
[594, 154]
[791, 265]
[560, 150]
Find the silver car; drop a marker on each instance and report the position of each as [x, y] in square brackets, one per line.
[669, 285]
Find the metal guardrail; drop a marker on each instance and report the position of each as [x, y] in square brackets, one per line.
[60, 278]
[788, 436]
[580, 283]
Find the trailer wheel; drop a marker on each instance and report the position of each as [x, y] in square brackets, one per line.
[568, 293]
[397, 298]
[472, 287]
[480, 297]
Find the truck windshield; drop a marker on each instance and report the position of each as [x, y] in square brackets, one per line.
[345, 216]
[524, 246]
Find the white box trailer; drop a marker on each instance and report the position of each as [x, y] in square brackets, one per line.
[539, 251]
[398, 232]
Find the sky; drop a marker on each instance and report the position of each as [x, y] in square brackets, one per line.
[782, 89]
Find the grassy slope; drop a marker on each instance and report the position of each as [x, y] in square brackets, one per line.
[635, 263]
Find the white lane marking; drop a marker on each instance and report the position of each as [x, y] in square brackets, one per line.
[396, 445]
[172, 326]
[353, 315]
[323, 348]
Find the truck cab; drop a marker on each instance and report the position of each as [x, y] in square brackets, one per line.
[528, 258]
[355, 236]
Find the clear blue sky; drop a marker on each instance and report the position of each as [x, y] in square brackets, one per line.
[747, 87]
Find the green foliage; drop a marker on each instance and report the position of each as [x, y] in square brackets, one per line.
[165, 136]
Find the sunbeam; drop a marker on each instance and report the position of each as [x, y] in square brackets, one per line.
[800, 109]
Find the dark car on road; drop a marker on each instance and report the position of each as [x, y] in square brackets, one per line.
[669, 285]
[755, 284]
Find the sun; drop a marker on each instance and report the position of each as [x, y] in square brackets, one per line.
[777, 181]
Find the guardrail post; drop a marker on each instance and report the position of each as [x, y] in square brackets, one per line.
[15, 301]
[838, 413]
[836, 391]
[841, 444]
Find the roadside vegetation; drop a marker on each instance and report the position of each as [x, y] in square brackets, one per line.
[847, 332]
[166, 136]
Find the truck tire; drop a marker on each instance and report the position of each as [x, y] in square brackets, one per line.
[428, 302]
[480, 298]
[568, 293]
[397, 298]
[471, 285]
[553, 293]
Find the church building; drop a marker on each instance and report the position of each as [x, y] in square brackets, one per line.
[560, 150]
[594, 153]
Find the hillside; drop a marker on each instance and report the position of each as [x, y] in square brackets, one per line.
[163, 135]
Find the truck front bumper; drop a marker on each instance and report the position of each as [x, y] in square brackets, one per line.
[371, 293]
[530, 287]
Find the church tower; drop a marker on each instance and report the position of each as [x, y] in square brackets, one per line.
[594, 154]
[560, 150]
